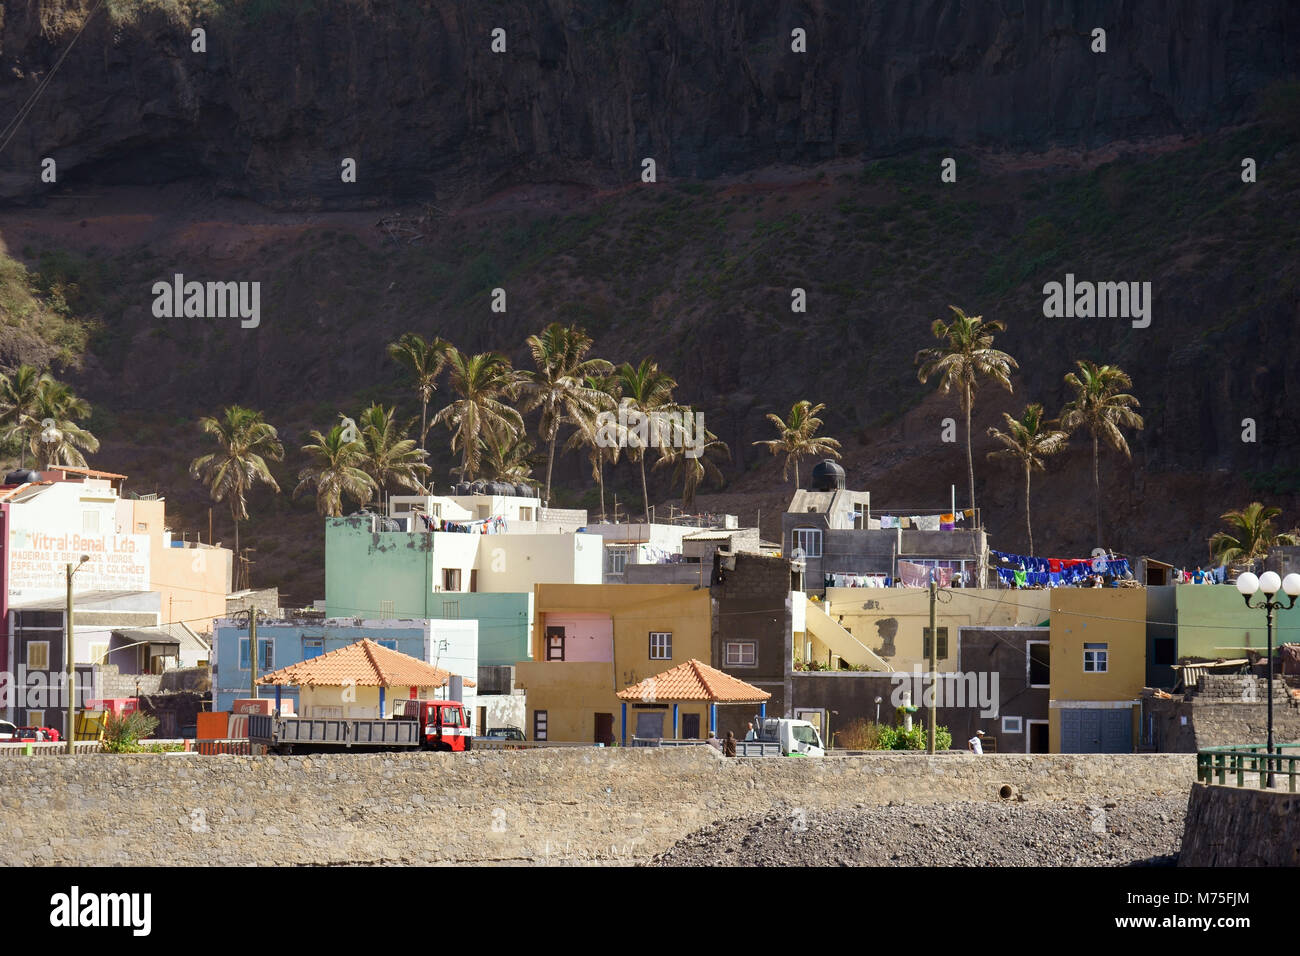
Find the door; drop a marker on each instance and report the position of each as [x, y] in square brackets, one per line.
[1096, 731]
[605, 729]
[1037, 737]
[554, 643]
[690, 726]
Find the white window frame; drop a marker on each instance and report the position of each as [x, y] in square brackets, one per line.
[803, 538]
[36, 718]
[1029, 664]
[450, 576]
[1029, 735]
[34, 667]
[1094, 654]
[664, 643]
[618, 560]
[859, 513]
[1013, 725]
[739, 660]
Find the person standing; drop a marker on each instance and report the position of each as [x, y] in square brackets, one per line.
[976, 743]
[749, 734]
[729, 745]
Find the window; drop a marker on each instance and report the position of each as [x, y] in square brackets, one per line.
[661, 646]
[805, 735]
[264, 656]
[312, 647]
[386, 610]
[809, 540]
[142, 527]
[943, 643]
[35, 718]
[391, 645]
[617, 560]
[1163, 651]
[859, 516]
[98, 652]
[741, 653]
[451, 579]
[90, 521]
[539, 725]
[525, 514]
[38, 655]
[555, 643]
[1040, 663]
[1011, 725]
[1094, 658]
[450, 716]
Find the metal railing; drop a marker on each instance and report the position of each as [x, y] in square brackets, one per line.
[1219, 764]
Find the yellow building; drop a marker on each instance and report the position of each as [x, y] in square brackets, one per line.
[590, 641]
[889, 625]
[1098, 668]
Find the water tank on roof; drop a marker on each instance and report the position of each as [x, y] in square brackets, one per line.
[22, 477]
[462, 488]
[478, 487]
[500, 488]
[525, 491]
[826, 476]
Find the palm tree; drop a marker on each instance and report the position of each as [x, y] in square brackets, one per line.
[966, 356]
[647, 394]
[1251, 535]
[510, 458]
[484, 383]
[425, 361]
[18, 392]
[600, 434]
[1102, 409]
[559, 386]
[1029, 440]
[335, 471]
[799, 438]
[387, 455]
[54, 437]
[246, 443]
[692, 470]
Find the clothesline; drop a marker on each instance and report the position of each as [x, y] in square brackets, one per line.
[493, 525]
[1026, 570]
[946, 521]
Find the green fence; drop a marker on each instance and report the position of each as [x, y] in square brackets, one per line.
[1229, 766]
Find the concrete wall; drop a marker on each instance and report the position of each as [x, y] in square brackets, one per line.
[1214, 622]
[752, 602]
[1227, 826]
[1185, 725]
[549, 806]
[891, 621]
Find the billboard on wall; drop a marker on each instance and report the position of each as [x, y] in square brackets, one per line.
[37, 560]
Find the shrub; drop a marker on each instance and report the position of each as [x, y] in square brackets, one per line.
[860, 735]
[896, 738]
[122, 735]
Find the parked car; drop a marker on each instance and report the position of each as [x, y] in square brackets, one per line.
[11, 734]
[7, 730]
[507, 733]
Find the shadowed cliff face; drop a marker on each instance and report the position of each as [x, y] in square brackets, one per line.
[586, 90]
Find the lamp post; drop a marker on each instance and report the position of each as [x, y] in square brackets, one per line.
[1268, 582]
[69, 663]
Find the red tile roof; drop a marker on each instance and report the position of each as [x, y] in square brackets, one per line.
[363, 664]
[693, 681]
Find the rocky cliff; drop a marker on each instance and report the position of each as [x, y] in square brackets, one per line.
[585, 90]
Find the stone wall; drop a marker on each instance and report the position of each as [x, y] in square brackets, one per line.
[537, 806]
[1185, 725]
[1227, 826]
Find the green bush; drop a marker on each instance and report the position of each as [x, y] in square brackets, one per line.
[122, 735]
[918, 738]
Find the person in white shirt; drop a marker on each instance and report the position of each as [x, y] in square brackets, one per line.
[976, 743]
[750, 735]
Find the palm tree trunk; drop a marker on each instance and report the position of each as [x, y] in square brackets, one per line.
[1096, 487]
[970, 461]
[550, 463]
[1028, 527]
[796, 473]
[239, 565]
[645, 494]
[600, 479]
[424, 425]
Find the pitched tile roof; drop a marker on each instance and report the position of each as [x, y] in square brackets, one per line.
[694, 680]
[363, 664]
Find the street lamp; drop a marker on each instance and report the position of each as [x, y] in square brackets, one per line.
[69, 662]
[1269, 583]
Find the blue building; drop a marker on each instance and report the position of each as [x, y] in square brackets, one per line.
[451, 645]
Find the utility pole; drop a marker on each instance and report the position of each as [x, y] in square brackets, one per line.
[252, 649]
[70, 672]
[934, 662]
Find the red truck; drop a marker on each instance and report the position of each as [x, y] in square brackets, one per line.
[415, 725]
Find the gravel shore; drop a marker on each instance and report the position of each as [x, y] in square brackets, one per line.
[1124, 833]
